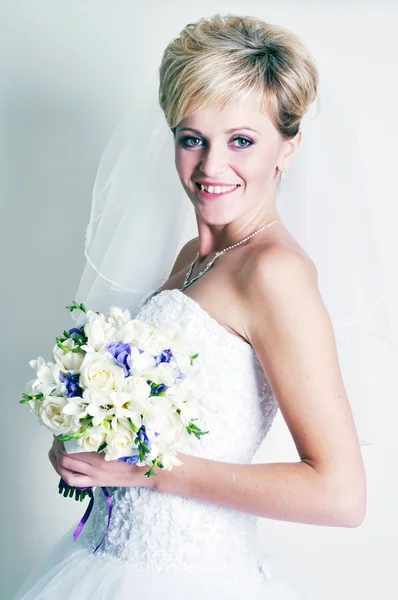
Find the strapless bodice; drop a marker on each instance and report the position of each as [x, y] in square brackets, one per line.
[154, 531]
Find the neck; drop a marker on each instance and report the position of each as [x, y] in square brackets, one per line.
[214, 238]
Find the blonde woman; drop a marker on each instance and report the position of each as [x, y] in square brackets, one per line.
[233, 91]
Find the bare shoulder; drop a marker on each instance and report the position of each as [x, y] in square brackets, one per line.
[279, 290]
[278, 287]
[185, 256]
[275, 273]
[278, 260]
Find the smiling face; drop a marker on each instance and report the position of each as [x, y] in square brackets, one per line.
[235, 146]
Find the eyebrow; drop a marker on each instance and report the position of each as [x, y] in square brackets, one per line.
[227, 131]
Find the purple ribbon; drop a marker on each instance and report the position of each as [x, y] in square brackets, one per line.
[89, 508]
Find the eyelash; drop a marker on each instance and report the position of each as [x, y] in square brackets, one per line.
[183, 141]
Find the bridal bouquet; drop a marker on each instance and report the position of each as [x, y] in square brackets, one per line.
[120, 386]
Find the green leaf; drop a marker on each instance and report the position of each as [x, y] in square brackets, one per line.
[193, 429]
[193, 357]
[76, 306]
[27, 398]
[151, 472]
[60, 345]
[102, 447]
[73, 436]
[133, 427]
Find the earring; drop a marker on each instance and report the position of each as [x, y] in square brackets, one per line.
[283, 173]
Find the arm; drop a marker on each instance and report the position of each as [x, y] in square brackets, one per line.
[292, 335]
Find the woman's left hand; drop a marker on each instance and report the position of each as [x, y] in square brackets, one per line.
[90, 469]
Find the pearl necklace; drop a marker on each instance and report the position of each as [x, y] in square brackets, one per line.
[218, 254]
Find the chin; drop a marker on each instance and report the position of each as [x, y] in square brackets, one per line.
[216, 220]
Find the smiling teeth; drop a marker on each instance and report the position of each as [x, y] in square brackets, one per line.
[217, 189]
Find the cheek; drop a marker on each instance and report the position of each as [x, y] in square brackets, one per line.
[258, 169]
[185, 163]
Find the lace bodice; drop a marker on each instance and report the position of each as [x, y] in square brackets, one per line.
[154, 531]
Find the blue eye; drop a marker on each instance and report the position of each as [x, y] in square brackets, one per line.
[249, 142]
[185, 142]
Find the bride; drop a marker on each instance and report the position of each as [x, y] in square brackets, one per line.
[234, 91]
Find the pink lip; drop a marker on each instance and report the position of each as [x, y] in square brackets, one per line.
[207, 196]
[215, 183]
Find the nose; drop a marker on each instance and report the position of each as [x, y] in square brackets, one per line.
[213, 162]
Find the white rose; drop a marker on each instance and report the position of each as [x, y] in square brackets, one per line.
[47, 377]
[183, 390]
[164, 373]
[67, 360]
[156, 413]
[156, 343]
[178, 340]
[98, 331]
[172, 433]
[52, 416]
[137, 387]
[120, 442]
[98, 373]
[143, 335]
[124, 407]
[141, 362]
[76, 406]
[183, 361]
[118, 317]
[92, 439]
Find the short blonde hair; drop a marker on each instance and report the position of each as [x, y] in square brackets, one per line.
[223, 59]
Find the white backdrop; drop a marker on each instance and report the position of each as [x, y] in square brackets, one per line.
[67, 72]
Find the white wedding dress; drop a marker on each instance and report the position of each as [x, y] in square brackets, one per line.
[163, 545]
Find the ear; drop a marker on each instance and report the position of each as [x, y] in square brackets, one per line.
[288, 151]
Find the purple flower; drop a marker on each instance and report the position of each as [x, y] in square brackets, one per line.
[142, 436]
[181, 375]
[122, 355]
[80, 332]
[157, 388]
[165, 357]
[73, 388]
[130, 460]
[77, 335]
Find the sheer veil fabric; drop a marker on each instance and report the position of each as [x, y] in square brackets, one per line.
[140, 211]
